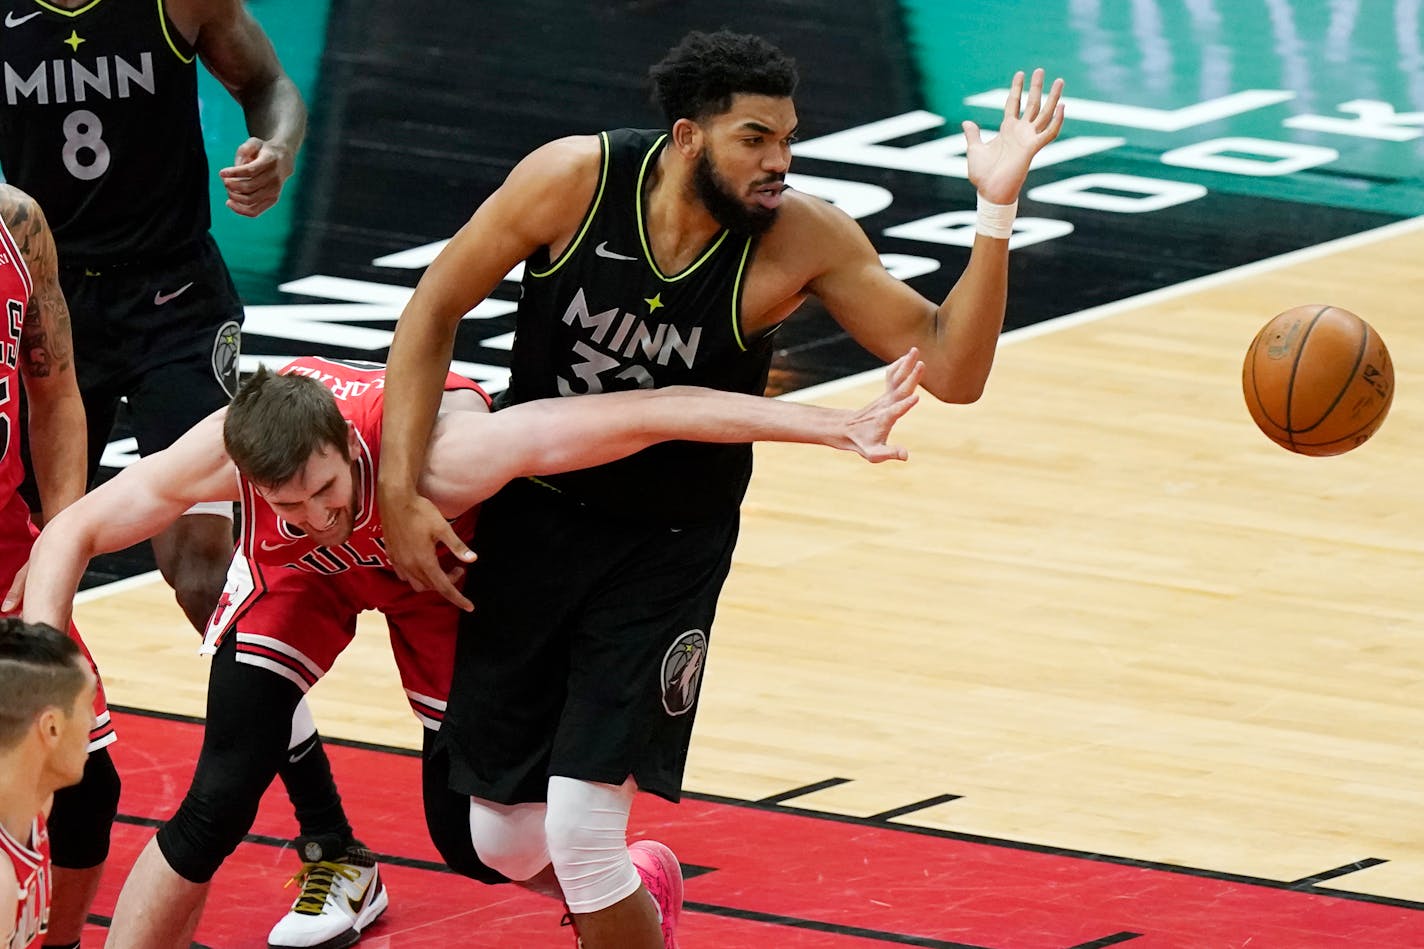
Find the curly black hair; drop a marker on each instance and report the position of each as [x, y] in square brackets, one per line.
[700, 75]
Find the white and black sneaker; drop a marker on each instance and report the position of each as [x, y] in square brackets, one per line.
[342, 894]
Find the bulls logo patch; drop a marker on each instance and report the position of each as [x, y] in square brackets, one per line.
[682, 671]
[227, 347]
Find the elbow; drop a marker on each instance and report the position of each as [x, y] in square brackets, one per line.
[959, 382]
[956, 391]
[65, 535]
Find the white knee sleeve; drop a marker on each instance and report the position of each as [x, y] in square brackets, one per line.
[303, 725]
[509, 838]
[587, 831]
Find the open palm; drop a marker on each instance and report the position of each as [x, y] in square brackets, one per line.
[998, 167]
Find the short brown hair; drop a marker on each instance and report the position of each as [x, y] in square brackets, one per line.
[276, 422]
[40, 667]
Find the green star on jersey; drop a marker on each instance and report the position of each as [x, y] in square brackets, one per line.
[654, 301]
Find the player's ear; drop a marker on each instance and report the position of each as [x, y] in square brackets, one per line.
[687, 137]
[352, 441]
[49, 726]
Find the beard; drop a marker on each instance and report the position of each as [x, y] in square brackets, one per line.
[725, 207]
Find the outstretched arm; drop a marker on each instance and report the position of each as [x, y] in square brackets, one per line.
[56, 412]
[472, 455]
[139, 502]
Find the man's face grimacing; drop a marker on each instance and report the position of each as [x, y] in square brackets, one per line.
[320, 500]
[741, 173]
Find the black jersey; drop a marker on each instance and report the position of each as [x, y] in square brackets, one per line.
[100, 125]
[603, 317]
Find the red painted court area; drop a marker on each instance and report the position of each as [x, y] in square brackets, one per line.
[760, 877]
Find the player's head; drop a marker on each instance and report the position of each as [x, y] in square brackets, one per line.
[286, 435]
[46, 699]
[727, 98]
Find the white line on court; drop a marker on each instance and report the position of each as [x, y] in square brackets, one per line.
[1069, 320]
[117, 586]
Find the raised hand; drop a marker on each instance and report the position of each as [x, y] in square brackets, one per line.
[998, 167]
[869, 428]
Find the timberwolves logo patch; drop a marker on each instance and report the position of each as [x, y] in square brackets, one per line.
[227, 346]
[682, 671]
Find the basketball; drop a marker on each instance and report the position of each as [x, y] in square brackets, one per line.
[1318, 380]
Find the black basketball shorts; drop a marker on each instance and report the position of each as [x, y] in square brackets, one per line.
[165, 335]
[585, 653]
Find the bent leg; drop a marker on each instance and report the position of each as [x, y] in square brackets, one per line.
[192, 554]
[191, 372]
[587, 828]
[449, 816]
[157, 907]
[311, 787]
[248, 727]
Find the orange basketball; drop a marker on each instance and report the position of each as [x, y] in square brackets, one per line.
[1318, 380]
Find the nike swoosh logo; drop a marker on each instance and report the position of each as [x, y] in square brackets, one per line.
[603, 251]
[161, 298]
[13, 21]
[298, 757]
[356, 905]
[265, 545]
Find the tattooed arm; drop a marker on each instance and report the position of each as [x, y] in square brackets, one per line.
[56, 413]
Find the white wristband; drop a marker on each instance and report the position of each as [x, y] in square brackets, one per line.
[995, 220]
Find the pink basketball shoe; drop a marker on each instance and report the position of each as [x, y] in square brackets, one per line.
[662, 875]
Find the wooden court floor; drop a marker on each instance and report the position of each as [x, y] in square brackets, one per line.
[1097, 606]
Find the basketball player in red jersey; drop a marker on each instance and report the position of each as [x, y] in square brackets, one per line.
[101, 126]
[47, 693]
[36, 350]
[301, 451]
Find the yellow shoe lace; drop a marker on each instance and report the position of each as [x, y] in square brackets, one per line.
[316, 880]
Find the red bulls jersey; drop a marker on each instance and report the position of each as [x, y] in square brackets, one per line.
[32, 869]
[15, 289]
[360, 390]
[268, 541]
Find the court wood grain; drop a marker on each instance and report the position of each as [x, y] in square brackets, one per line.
[1097, 604]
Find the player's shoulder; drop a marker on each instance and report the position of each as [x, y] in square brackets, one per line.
[802, 210]
[193, 16]
[549, 189]
[564, 160]
[807, 225]
[306, 366]
[17, 208]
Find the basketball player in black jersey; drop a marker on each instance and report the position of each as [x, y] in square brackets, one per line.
[99, 122]
[652, 259]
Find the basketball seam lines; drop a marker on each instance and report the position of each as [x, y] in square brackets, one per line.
[1350, 378]
[1295, 365]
